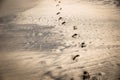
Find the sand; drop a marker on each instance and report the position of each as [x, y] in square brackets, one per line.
[59, 40]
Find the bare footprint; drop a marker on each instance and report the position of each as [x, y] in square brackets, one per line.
[72, 79]
[60, 9]
[59, 1]
[75, 35]
[60, 18]
[57, 13]
[86, 75]
[83, 45]
[74, 58]
[75, 27]
[63, 23]
[57, 5]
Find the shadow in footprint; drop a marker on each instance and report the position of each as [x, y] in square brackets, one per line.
[59, 1]
[63, 23]
[57, 5]
[72, 79]
[83, 45]
[75, 35]
[74, 27]
[57, 13]
[60, 18]
[85, 76]
[60, 9]
[117, 3]
[74, 58]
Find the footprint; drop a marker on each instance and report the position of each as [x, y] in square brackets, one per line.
[72, 79]
[74, 58]
[63, 23]
[97, 77]
[57, 13]
[60, 18]
[60, 9]
[74, 27]
[86, 75]
[57, 5]
[59, 1]
[83, 45]
[75, 35]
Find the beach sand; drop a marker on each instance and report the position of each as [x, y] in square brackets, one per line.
[59, 40]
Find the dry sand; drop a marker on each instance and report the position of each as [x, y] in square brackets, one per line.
[36, 44]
